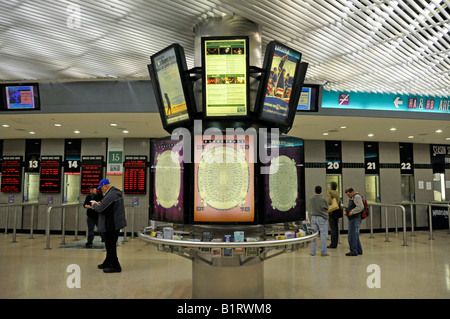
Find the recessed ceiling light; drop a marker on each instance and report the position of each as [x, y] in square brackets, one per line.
[5, 125]
[343, 126]
[393, 129]
[411, 136]
[113, 124]
[447, 139]
[370, 135]
[77, 132]
[438, 131]
[57, 124]
[32, 132]
[125, 131]
[325, 133]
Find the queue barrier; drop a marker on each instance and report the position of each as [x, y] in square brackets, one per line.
[386, 206]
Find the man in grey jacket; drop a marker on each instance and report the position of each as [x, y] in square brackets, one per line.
[111, 220]
[319, 220]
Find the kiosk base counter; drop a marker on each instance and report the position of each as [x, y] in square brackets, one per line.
[228, 261]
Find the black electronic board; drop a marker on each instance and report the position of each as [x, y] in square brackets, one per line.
[91, 172]
[12, 174]
[50, 176]
[135, 175]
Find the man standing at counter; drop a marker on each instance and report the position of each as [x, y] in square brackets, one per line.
[111, 220]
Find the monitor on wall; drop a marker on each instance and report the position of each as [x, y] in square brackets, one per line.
[172, 87]
[225, 77]
[20, 97]
[280, 86]
[310, 98]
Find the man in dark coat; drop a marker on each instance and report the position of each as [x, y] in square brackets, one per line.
[111, 220]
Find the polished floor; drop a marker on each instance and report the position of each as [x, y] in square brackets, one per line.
[419, 270]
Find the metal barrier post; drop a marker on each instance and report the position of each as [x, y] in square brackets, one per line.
[404, 226]
[371, 221]
[387, 228]
[412, 220]
[6, 221]
[132, 221]
[77, 214]
[14, 226]
[430, 222]
[47, 228]
[63, 227]
[32, 222]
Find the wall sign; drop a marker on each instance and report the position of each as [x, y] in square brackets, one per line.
[385, 102]
[12, 174]
[50, 176]
[135, 178]
[91, 172]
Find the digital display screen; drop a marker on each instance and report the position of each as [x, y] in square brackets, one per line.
[20, 97]
[91, 172]
[173, 102]
[50, 176]
[304, 103]
[225, 76]
[224, 179]
[135, 175]
[284, 186]
[167, 171]
[280, 77]
[12, 174]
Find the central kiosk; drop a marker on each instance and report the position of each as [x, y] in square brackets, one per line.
[228, 183]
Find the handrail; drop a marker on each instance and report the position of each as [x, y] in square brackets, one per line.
[23, 204]
[212, 244]
[430, 221]
[386, 217]
[47, 228]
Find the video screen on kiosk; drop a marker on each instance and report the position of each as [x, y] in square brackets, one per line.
[279, 88]
[225, 78]
[171, 84]
[284, 193]
[224, 179]
[20, 97]
[167, 178]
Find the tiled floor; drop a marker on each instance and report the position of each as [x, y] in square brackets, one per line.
[420, 270]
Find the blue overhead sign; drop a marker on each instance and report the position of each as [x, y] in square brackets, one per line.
[385, 102]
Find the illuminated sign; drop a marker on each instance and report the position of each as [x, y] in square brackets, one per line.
[225, 76]
[12, 174]
[135, 177]
[50, 176]
[91, 172]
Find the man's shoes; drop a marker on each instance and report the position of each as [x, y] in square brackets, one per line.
[89, 245]
[324, 254]
[350, 254]
[331, 247]
[102, 266]
[112, 269]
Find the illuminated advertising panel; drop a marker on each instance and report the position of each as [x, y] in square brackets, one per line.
[135, 175]
[224, 179]
[12, 174]
[172, 86]
[167, 171]
[284, 198]
[225, 76]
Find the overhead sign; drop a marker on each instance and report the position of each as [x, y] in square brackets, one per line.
[385, 102]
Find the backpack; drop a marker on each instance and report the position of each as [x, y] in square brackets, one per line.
[365, 211]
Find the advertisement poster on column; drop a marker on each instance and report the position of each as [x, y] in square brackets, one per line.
[284, 186]
[167, 173]
[224, 179]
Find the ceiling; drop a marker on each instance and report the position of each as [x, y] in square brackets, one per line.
[400, 47]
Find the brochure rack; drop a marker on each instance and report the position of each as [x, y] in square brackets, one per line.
[228, 269]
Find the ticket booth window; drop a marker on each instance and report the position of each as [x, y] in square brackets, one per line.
[407, 187]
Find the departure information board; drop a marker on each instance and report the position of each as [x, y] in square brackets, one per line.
[91, 172]
[225, 76]
[135, 177]
[12, 174]
[50, 177]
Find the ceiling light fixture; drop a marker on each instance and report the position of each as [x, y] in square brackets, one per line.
[57, 124]
[125, 131]
[438, 131]
[393, 129]
[5, 125]
[411, 136]
[370, 135]
[77, 132]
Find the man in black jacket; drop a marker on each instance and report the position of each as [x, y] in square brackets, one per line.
[92, 215]
[111, 220]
